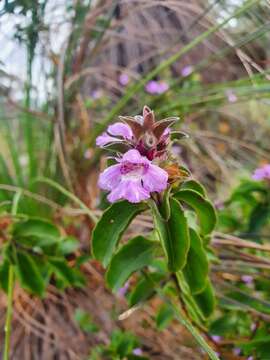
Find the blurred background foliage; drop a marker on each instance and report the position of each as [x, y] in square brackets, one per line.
[67, 69]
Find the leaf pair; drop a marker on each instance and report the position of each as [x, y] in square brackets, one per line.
[203, 208]
[183, 245]
[173, 234]
[134, 255]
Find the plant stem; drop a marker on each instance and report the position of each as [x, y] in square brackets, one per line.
[9, 311]
[11, 277]
[181, 317]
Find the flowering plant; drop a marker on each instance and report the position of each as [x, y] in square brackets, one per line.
[146, 177]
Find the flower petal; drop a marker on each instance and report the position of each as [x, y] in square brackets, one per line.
[116, 193]
[135, 157]
[110, 177]
[262, 173]
[105, 139]
[130, 190]
[135, 192]
[120, 129]
[258, 174]
[155, 179]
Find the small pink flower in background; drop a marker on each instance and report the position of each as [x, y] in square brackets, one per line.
[88, 154]
[163, 87]
[219, 204]
[247, 279]
[152, 87]
[123, 79]
[113, 131]
[237, 351]
[156, 87]
[96, 94]
[187, 70]
[216, 338]
[176, 150]
[133, 178]
[232, 98]
[262, 173]
[137, 352]
[122, 291]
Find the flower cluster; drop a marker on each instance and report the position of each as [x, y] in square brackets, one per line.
[136, 172]
[262, 173]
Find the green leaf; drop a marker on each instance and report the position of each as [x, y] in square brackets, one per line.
[35, 227]
[110, 228]
[259, 216]
[232, 324]
[246, 188]
[68, 245]
[133, 256]
[69, 276]
[178, 237]
[164, 316]
[173, 234]
[6, 261]
[84, 320]
[28, 274]
[122, 344]
[4, 269]
[165, 208]
[191, 306]
[206, 300]
[204, 209]
[36, 232]
[144, 289]
[196, 269]
[253, 302]
[193, 185]
[184, 320]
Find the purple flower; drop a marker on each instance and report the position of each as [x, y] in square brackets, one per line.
[262, 173]
[232, 98]
[176, 150]
[133, 178]
[219, 204]
[137, 352]
[156, 87]
[247, 279]
[117, 129]
[152, 87]
[96, 94]
[163, 87]
[216, 338]
[122, 291]
[123, 79]
[250, 358]
[143, 133]
[237, 351]
[187, 70]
